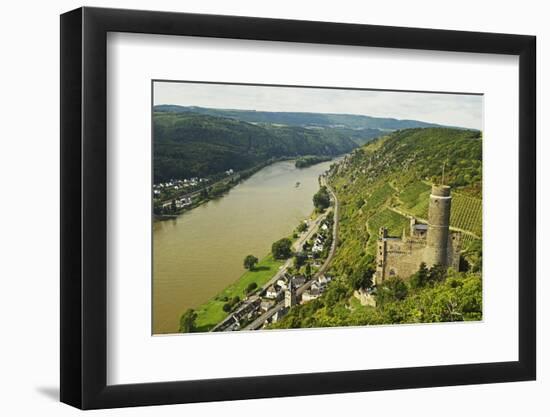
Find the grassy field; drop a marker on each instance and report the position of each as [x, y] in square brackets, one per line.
[211, 313]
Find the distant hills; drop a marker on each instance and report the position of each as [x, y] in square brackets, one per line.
[350, 121]
[189, 144]
[199, 142]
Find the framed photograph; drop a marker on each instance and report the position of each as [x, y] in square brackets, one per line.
[258, 208]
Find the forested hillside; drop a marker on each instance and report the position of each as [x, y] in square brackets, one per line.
[188, 144]
[380, 184]
[351, 121]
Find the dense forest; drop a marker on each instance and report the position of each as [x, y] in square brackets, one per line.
[194, 145]
[378, 185]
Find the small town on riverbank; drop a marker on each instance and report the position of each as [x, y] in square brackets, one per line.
[301, 277]
[300, 280]
[175, 196]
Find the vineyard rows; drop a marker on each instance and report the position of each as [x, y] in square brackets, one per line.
[466, 211]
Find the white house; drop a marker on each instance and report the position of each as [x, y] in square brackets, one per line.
[272, 292]
[282, 283]
[317, 248]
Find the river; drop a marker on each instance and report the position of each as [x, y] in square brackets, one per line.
[201, 252]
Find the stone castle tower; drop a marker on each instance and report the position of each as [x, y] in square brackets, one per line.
[439, 215]
[432, 243]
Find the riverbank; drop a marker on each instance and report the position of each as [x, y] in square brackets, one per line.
[211, 313]
[309, 160]
[199, 254]
[212, 191]
[221, 187]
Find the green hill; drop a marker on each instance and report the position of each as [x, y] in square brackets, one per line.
[380, 184]
[350, 121]
[393, 175]
[189, 144]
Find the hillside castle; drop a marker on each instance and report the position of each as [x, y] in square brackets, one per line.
[430, 243]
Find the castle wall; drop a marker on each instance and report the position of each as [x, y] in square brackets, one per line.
[402, 257]
[399, 258]
[454, 247]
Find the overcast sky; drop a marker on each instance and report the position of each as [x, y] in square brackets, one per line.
[446, 109]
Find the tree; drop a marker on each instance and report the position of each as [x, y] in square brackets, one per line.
[419, 278]
[308, 270]
[436, 274]
[302, 227]
[187, 321]
[393, 289]
[157, 207]
[251, 287]
[250, 262]
[336, 292]
[300, 259]
[282, 248]
[362, 277]
[361, 274]
[471, 259]
[321, 199]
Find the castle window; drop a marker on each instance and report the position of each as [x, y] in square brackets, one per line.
[392, 272]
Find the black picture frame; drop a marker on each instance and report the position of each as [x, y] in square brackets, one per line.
[84, 207]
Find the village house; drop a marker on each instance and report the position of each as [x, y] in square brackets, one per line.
[311, 294]
[298, 281]
[282, 282]
[317, 248]
[324, 280]
[184, 202]
[266, 304]
[273, 292]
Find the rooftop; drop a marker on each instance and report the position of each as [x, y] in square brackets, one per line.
[420, 226]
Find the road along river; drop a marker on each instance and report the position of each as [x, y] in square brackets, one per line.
[201, 252]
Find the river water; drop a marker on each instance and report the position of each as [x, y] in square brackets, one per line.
[201, 252]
